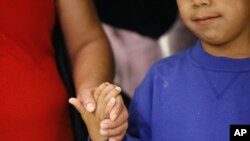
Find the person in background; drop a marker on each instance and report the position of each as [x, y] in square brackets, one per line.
[197, 94]
[133, 28]
[176, 39]
[33, 105]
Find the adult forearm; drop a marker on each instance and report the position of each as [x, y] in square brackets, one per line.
[92, 64]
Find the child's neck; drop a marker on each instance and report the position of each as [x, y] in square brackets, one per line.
[237, 49]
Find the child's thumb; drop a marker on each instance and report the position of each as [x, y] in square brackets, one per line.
[77, 104]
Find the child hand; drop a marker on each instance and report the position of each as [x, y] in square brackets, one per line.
[107, 107]
[116, 129]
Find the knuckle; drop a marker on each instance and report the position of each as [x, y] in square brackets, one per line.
[120, 131]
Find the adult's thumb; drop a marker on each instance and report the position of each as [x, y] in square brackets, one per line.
[88, 100]
[77, 104]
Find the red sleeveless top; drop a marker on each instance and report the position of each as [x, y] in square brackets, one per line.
[33, 100]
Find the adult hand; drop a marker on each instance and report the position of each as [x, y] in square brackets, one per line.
[87, 99]
[110, 110]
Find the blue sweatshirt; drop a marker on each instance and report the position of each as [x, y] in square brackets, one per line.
[191, 96]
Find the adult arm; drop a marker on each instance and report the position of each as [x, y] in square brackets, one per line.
[88, 48]
[90, 53]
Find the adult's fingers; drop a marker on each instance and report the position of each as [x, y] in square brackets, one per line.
[77, 104]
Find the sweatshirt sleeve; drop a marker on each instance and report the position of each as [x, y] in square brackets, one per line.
[140, 111]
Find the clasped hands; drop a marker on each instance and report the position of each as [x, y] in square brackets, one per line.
[106, 117]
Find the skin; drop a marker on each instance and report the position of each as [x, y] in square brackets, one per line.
[89, 51]
[222, 25]
[224, 29]
[98, 121]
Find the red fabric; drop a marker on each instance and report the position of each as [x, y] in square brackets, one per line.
[33, 100]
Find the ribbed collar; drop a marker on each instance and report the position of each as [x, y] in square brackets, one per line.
[202, 59]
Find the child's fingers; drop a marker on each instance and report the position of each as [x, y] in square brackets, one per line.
[113, 92]
[120, 130]
[117, 109]
[99, 89]
[117, 138]
[110, 102]
[110, 90]
[110, 106]
[101, 92]
[106, 94]
[121, 119]
[110, 93]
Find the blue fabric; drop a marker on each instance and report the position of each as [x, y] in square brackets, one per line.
[191, 96]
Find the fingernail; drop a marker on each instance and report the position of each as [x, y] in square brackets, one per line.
[71, 100]
[118, 88]
[112, 99]
[113, 117]
[104, 126]
[90, 107]
[103, 132]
